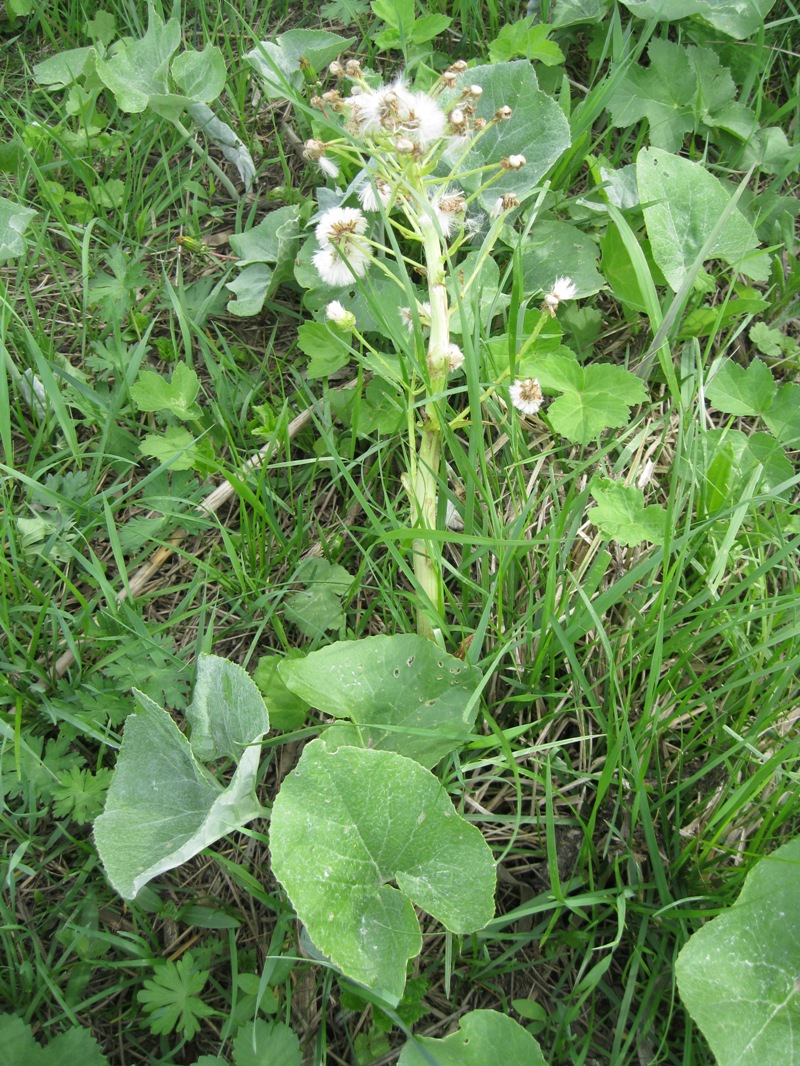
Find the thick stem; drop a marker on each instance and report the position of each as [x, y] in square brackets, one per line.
[427, 552]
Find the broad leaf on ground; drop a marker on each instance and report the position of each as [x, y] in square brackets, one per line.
[140, 69]
[685, 205]
[262, 1043]
[595, 397]
[152, 392]
[738, 975]
[551, 245]
[783, 416]
[278, 62]
[347, 822]
[537, 129]
[14, 220]
[401, 693]
[318, 607]
[621, 515]
[163, 806]
[483, 1036]
[734, 17]
[227, 711]
[19, 1047]
[737, 391]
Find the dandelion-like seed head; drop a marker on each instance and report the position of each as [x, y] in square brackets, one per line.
[513, 162]
[564, 288]
[339, 225]
[526, 395]
[375, 193]
[343, 319]
[507, 202]
[455, 358]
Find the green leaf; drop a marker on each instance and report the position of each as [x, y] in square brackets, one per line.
[287, 710]
[273, 240]
[200, 75]
[178, 449]
[250, 290]
[426, 27]
[595, 397]
[685, 204]
[483, 1036]
[783, 417]
[172, 998]
[572, 12]
[262, 1043]
[485, 288]
[737, 975]
[152, 392]
[75, 1047]
[14, 220]
[102, 28]
[80, 794]
[329, 350]
[347, 822]
[557, 248]
[278, 62]
[737, 391]
[163, 807]
[139, 70]
[733, 17]
[537, 129]
[318, 607]
[227, 711]
[662, 93]
[399, 14]
[622, 516]
[401, 694]
[66, 67]
[521, 39]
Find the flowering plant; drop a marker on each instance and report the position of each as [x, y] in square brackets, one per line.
[425, 183]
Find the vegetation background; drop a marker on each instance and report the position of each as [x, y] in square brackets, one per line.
[637, 750]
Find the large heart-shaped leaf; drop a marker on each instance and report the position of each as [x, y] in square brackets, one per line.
[163, 806]
[537, 129]
[686, 204]
[738, 975]
[140, 69]
[483, 1036]
[348, 821]
[401, 694]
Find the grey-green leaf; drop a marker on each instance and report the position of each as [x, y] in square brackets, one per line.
[140, 69]
[738, 974]
[14, 220]
[163, 807]
[401, 694]
[349, 821]
[537, 129]
[686, 203]
[227, 712]
[483, 1036]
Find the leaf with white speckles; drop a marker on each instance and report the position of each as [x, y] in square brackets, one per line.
[401, 694]
[739, 976]
[349, 821]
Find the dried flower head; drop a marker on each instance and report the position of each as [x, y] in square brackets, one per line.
[343, 319]
[526, 395]
[513, 162]
[455, 358]
[375, 193]
[503, 113]
[507, 202]
[564, 288]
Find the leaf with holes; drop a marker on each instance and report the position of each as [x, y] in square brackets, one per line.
[349, 821]
[482, 1036]
[401, 693]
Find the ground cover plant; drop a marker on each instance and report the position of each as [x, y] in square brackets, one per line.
[400, 420]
